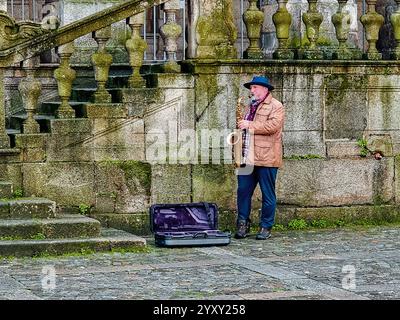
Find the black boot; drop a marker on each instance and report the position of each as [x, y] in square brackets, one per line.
[241, 231]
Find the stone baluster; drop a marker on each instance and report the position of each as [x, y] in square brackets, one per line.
[312, 19]
[372, 22]
[4, 138]
[395, 19]
[136, 47]
[170, 33]
[30, 89]
[282, 21]
[65, 75]
[102, 61]
[215, 31]
[253, 19]
[341, 21]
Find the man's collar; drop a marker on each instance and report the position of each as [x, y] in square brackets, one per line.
[268, 99]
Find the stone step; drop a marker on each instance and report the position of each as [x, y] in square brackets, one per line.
[27, 208]
[6, 190]
[50, 108]
[16, 121]
[65, 226]
[87, 94]
[107, 240]
[11, 134]
[114, 81]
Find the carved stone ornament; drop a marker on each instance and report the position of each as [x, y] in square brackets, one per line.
[13, 33]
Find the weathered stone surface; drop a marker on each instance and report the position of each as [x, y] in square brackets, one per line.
[336, 182]
[351, 214]
[74, 226]
[346, 106]
[137, 223]
[11, 172]
[118, 139]
[6, 189]
[300, 95]
[138, 99]
[171, 184]
[70, 147]
[303, 143]
[383, 102]
[108, 240]
[68, 126]
[342, 148]
[32, 208]
[32, 146]
[172, 81]
[4, 209]
[215, 183]
[122, 186]
[106, 110]
[67, 183]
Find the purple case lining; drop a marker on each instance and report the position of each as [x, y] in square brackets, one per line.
[183, 217]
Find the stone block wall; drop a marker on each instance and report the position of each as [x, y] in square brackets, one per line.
[168, 143]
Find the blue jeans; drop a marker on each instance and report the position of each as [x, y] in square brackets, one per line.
[266, 177]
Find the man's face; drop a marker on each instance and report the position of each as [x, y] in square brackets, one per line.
[258, 91]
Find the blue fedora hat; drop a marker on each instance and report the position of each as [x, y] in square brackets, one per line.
[261, 81]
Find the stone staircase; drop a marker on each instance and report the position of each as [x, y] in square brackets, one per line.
[32, 227]
[83, 91]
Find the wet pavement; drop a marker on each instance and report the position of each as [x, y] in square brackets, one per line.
[335, 264]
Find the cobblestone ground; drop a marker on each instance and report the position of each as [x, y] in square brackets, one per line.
[323, 264]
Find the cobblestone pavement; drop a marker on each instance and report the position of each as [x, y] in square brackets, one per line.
[324, 264]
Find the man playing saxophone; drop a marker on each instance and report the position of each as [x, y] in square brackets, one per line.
[261, 149]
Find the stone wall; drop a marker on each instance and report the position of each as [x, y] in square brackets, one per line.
[167, 143]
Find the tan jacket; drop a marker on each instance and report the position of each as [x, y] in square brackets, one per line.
[266, 134]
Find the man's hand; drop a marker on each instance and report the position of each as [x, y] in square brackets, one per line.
[243, 124]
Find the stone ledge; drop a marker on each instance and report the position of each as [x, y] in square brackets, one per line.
[108, 240]
[62, 227]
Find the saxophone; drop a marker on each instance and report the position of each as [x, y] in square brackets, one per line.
[235, 138]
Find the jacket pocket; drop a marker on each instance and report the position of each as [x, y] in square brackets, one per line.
[262, 150]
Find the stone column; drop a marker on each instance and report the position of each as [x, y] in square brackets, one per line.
[170, 32]
[312, 19]
[102, 61]
[282, 21]
[372, 22]
[65, 75]
[253, 18]
[3, 5]
[30, 89]
[341, 21]
[215, 30]
[4, 139]
[136, 47]
[395, 19]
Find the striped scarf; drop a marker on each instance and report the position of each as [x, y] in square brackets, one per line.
[251, 112]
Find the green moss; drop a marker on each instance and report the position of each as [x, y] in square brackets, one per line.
[84, 209]
[297, 224]
[364, 151]
[18, 193]
[133, 170]
[303, 157]
[297, 42]
[217, 33]
[325, 41]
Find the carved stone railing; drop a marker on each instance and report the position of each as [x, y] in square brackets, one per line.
[22, 41]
